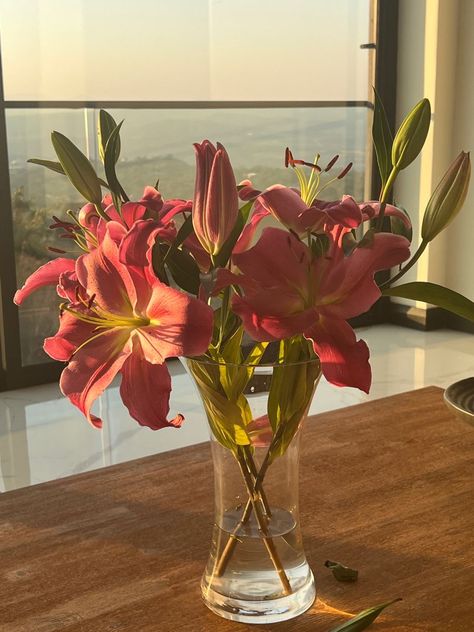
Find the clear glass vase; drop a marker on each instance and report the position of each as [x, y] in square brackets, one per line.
[257, 570]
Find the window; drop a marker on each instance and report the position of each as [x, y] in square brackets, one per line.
[256, 76]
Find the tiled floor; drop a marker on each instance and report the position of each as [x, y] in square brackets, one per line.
[43, 437]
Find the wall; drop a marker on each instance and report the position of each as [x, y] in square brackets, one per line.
[436, 60]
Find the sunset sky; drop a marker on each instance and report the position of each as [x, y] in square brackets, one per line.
[184, 49]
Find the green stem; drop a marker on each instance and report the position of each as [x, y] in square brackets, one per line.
[262, 526]
[255, 473]
[410, 264]
[258, 486]
[384, 196]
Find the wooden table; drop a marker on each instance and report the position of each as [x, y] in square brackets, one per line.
[386, 486]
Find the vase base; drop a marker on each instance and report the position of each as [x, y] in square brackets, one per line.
[262, 611]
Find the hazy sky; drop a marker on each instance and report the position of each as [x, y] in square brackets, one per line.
[184, 49]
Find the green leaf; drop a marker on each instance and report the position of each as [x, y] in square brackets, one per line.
[77, 167]
[225, 252]
[185, 230]
[52, 165]
[184, 270]
[106, 126]
[112, 152]
[291, 391]
[342, 573]
[411, 135]
[364, 618]
[382, 138]
[225, 417]
[436, 295]
[49, 164]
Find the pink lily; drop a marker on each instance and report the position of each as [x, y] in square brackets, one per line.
[288, 291]
[290, 210]
[130, 323]
[287, 206]
[216, 204]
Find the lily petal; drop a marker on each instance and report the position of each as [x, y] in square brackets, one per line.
[180, 325]
[145, 391]
[286, 205]
[93, 368]
[349, 286]
[344, 359]
[48, 274]
[71, 334]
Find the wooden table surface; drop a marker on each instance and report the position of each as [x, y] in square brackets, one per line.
[386, 487]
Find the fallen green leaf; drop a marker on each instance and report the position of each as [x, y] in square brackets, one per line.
[364, 618]
[342, 573]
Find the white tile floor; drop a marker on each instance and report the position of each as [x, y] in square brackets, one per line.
[42, 437]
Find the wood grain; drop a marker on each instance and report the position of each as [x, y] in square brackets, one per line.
[386, 488]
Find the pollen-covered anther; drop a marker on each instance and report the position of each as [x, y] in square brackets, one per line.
[57, 250]
[345, 171]
[331, 163]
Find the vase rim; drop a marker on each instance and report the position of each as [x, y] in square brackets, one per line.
[260, 365]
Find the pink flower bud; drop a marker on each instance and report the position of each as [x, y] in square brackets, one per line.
[216, 202]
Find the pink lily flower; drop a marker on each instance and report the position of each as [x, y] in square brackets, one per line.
[287, 291]
[286, 205]
[290, 210]
[129, 323]
[149, 207]
[216, 203]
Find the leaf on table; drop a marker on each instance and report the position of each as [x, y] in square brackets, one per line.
[342, 573]
[364, 618]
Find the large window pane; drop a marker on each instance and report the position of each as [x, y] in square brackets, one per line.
[185, 50]
[158, 144]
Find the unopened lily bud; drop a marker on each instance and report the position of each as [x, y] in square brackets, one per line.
[216, 202]
[448, 198]
[411, 136]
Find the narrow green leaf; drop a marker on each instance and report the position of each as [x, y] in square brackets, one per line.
[52, 165]
[382, 138]
[77, 167]
[342, 573]
[112, 152]
[291, 391]
[435, 295]
[411, 136]
[106, 126]
[225, 252]
[225, 417]
[364, 618]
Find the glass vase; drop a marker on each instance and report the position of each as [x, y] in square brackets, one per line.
[257, 570]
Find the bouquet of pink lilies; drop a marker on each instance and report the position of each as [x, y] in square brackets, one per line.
[154, 279]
